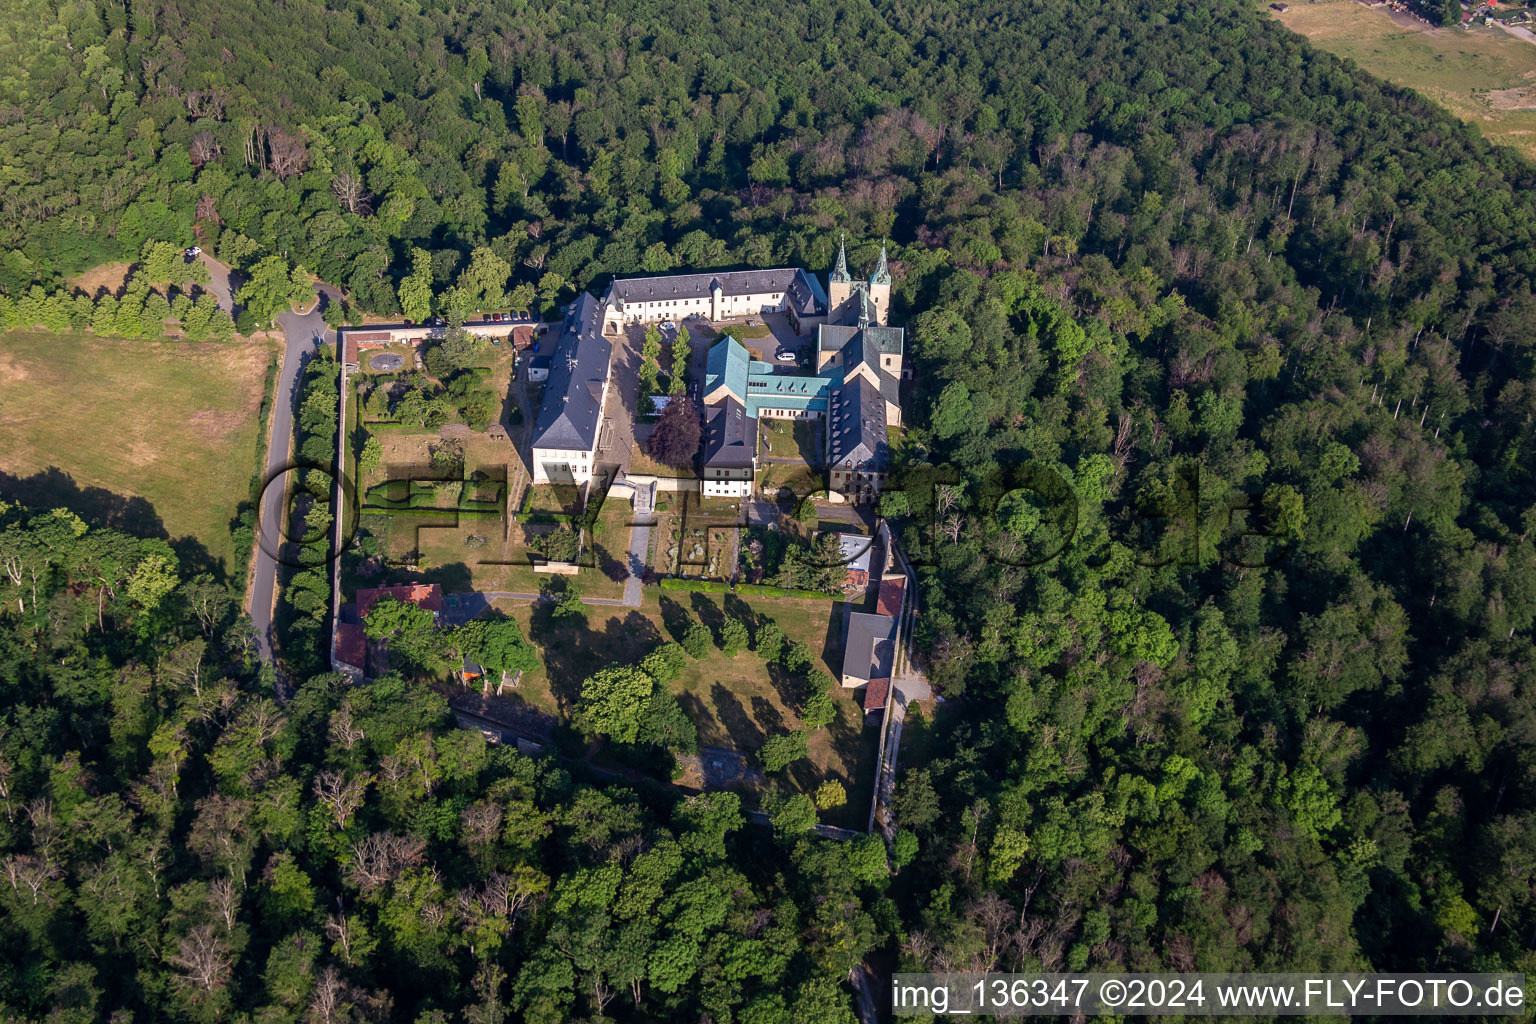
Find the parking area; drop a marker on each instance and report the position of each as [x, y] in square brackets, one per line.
[623, 399]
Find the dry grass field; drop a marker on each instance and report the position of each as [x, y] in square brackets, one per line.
[1485, 76]
[172, 423]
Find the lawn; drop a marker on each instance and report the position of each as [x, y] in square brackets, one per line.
[789, 439]
[1482, 75]
[641, 464]
[774, 478]
[153, 436]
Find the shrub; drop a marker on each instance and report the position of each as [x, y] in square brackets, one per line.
[781, 751]
[696, 586]
[665, 663]
[371, 455]
[903, 848]
[769, 642]
[733, 637]
[797, 657]
[766, 590]
[697, 641]
[791, 814]
[830, 794]
[818, 710]
[559, 545]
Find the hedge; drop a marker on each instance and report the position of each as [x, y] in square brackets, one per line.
[765, 590]
[701, 586]
[754, 589]
[462, 513]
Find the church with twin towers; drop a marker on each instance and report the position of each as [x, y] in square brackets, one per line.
[830, 355]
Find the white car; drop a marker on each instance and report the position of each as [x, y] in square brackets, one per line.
[787, 357]
[194, 251]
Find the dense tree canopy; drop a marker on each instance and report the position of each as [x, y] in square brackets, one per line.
[179, 846]
[1217, 470]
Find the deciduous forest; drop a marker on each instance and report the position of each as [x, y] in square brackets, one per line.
[1218, 470]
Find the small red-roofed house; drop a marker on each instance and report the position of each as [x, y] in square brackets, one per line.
[422, 595]
[355, 655]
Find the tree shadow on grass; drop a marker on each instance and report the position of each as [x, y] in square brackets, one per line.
[789, 687]
[615, 569]
[736, 608]
[768, 717]
[675, 618]
[733, 718]
[53, 488]
[453, 577]
[574, 648]
[694, 707]
[804, 776]
[708, 612]
[832, 642]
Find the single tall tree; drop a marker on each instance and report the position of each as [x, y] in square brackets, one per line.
[675, 441]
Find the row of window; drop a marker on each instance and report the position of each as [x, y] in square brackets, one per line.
[735, 299]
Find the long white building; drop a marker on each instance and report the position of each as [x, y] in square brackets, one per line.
[716, 296]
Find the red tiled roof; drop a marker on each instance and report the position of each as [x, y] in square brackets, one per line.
[423, 595]
[351, 647]
[522, 335]
[889, 601]
[351, 341]
[875, 694]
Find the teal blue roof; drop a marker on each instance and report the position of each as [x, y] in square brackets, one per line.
[761, 385]
[727, 365]
[768, 390]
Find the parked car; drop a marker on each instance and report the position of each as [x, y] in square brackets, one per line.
[437, 321]
[194, 252]
[786, 357]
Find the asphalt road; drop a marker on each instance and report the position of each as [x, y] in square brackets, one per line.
[301, 335]
[219, 283]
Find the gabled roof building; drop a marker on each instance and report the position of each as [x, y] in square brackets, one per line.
[730, 449]
[718, 295]
[870, 651]
[565, 435]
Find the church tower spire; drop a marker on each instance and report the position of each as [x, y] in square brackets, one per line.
[839, 285]
[880, 289]
[839, 273]
[882, 274]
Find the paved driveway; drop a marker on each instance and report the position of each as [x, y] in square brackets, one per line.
[301, 335]
[219, 283]
[639, 543]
